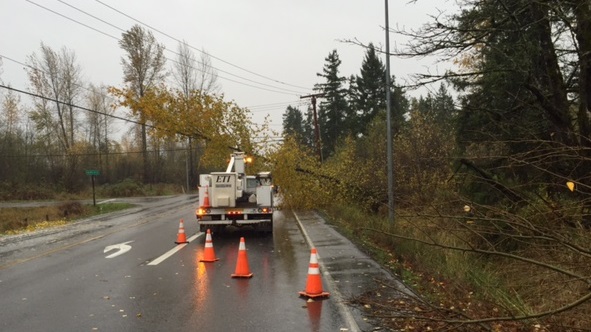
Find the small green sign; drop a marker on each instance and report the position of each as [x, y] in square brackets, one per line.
[92, 172]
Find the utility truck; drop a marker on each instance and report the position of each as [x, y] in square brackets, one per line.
[234, 198]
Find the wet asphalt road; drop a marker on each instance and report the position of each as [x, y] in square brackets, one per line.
[63, 281]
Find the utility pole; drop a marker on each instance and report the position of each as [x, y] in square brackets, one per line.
[389, 125]
[316, 128]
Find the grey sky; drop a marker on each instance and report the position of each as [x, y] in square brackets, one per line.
[282, 44]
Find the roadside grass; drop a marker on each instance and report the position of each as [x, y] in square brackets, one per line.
[452, 280]
[17, 220]
[20, 220]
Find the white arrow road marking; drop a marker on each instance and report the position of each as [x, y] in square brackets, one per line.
[121, 249]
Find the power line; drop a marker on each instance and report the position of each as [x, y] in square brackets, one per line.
[95, 111]
[73, 20]
[217, 58]
[273, 105]
[178, 54]
[83, 86]
[285, 91]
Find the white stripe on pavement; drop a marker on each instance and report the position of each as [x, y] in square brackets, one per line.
[174, 250]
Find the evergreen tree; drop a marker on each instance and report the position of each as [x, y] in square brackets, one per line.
[293, 124]
[439, 107]
[368, 91]
[334, 113]
[524, 74]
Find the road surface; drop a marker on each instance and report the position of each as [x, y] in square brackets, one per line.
[124, 272]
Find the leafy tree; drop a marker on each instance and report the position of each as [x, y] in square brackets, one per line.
[143, 69]
[334, 114]
[222, 125]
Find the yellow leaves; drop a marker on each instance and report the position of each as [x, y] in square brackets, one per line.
[216, 124]
[292, 166]
[38, 226]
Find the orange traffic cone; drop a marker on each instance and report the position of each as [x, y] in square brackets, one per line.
[206, 197]
[314, 284]
[181, 237]
[242, 269]
[208, 253]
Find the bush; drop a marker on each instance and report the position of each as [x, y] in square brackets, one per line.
[71, 208]
[19, 192]
[126, 188]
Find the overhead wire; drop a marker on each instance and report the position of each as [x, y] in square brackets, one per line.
[260, 107]
[217, 58]
[196, 135]
[285, 91]
[104, 95]
[178, 54]
[95, 111]
[104, 33]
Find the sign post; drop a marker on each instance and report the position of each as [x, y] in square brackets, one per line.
[93, 173]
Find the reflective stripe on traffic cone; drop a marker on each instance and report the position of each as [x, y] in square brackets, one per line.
[181, 237]
[208, 253]
[242, 269]
[314, 283]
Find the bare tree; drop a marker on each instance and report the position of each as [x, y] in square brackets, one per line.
[191, 75]
[143, 69]
[10, 136]
[99, 125]
[185, 70]
[56, 76]
[208, 78]
[10, 113]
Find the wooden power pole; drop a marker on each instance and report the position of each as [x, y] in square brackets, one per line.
[316, 128]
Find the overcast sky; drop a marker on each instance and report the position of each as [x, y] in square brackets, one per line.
[267, 53]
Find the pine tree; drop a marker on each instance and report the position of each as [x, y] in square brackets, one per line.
[368, 91]
[334, 113]
[293, 124]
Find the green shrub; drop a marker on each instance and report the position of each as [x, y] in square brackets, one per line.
[125, 188]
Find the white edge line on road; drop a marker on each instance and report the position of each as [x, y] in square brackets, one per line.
[174, 250]
[345, 312]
